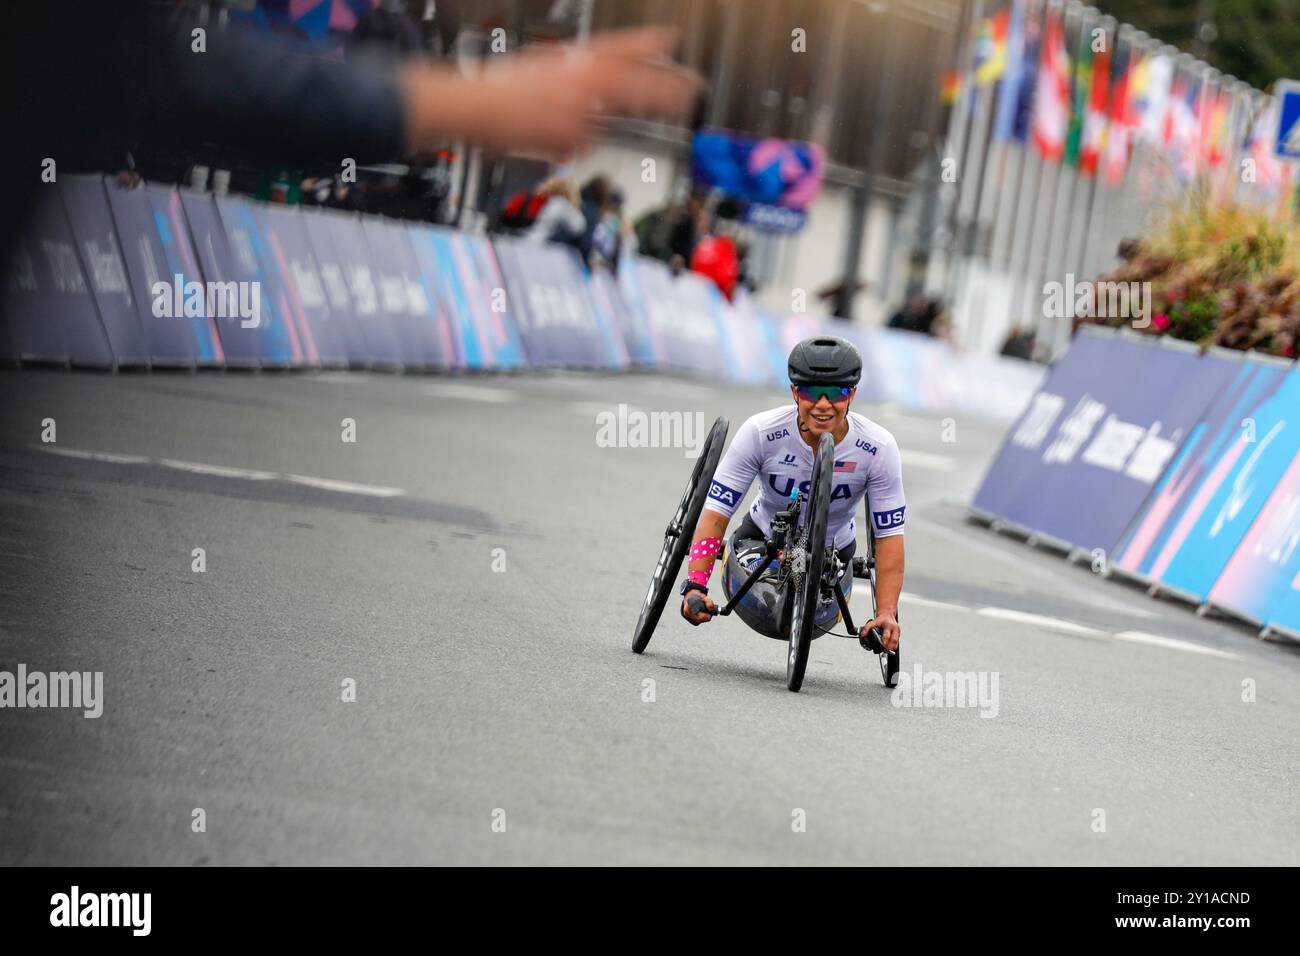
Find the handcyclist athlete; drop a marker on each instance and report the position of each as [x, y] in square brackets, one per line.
[776, 447]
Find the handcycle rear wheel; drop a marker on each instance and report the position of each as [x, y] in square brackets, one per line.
[677, 538]
[808, 561]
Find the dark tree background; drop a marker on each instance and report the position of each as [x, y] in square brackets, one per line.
[1254, 40]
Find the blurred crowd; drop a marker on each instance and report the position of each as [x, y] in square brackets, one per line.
[694, 235]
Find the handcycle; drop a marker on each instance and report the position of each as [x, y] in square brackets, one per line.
[807, 570]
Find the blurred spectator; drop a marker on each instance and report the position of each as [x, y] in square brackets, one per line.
[688, 227]
[386, 29]
[916, 315]
[608, 236]
[654, 232]
[1019, 344]
[715, 257]
[521, 210]
[560, 219]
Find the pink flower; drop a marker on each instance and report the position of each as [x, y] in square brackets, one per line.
[1161, 321]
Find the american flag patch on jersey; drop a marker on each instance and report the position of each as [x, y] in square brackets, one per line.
[845, 467]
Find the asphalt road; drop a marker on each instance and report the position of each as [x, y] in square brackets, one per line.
[474, 562]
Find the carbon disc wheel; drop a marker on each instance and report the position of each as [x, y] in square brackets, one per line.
[677, 537]
[807, 563]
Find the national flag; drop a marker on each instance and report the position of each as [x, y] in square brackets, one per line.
[847, 467]
[1052, 92]
[951, 88]
[991, 48]
[1150, 97]
[1013, 76]
[1096, 120]
[1268, 169]
[1213, 127]
[1181, 127]
[1080, 87]
[1119, 130]
[1025, 95]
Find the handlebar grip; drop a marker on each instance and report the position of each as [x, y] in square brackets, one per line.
[874, 640]
[696, 604]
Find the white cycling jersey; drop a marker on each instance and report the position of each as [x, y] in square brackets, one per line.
[767, 446]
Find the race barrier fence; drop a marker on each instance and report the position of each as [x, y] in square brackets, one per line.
[155, 276]
[1160, 463]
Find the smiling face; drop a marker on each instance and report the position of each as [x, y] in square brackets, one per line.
[822, 416]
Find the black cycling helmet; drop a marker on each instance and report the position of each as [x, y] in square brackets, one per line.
[825, 360]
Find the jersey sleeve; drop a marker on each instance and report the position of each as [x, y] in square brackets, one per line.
[736, 471]
[885, 492]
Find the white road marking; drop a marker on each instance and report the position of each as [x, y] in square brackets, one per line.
[225, 471]
[1155, 640]
[97, 456]
[347, 487]
[592, 409]
[928, 602]
[470, 393]
[929, 460]
[1040, 620]
[342, 378]
[220, 471]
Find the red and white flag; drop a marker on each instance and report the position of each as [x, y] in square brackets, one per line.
[1052, 93]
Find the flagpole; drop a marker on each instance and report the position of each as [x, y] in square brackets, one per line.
[1053, 260]
[1079, 250]
[1023, 247]
[956, 143]
[1006, 226]
[1100, 214]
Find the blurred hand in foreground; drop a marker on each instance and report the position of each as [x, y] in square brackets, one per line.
[547, 100]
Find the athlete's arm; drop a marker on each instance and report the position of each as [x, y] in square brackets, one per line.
[889, 585]
[887, 506]
[712, 527]
[736, 472]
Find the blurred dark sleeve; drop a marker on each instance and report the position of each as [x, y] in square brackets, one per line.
[82, 81]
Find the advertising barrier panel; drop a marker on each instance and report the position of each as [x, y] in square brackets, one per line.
[548, 294]
[156, 251]
[281, 339]
[1082, 459]
[339, 243]
[241, 335]
[86, 205]
[327, 338]
[1261, 580]
[1210, 500]
[466, 283]
[50, 313]
[423, 332]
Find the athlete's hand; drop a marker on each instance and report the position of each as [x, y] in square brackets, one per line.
[697, 619]
[887, 621]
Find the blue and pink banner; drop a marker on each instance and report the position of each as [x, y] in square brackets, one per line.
[1261, 580]
[1217, 487]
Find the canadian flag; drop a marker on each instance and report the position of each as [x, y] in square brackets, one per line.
[1052, 93]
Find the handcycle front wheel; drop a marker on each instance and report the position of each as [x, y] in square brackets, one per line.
[808, 562]
[677, 537]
